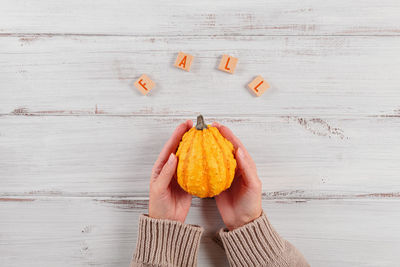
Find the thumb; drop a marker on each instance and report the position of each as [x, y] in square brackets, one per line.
[164, 178]
[246, 166]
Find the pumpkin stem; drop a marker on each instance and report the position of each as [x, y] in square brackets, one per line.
[200, 125]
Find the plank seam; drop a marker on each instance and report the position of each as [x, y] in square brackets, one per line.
[49, 35]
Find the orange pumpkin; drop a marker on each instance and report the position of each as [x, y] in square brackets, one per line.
[206, 163]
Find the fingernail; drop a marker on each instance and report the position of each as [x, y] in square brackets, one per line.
[171, 158]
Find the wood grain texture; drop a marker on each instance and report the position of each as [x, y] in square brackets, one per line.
[179, 17]
[298, 156]
[77, 140]
[102, 232]
[318, 76]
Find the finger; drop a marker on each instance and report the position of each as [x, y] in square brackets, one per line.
[228, 134]
[171, 146]
[167, 172]
[247, 167]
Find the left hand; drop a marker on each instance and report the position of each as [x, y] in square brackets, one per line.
[167, 199]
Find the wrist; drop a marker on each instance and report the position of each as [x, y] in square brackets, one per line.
[160, 216]
[243, 220]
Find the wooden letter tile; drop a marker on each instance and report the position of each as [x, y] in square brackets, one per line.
[228, 64]
[144, 84]
[183, 61]
[258, 85]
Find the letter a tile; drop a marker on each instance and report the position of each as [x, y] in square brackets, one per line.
[183, 61]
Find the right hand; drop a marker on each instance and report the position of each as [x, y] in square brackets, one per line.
[241, 203]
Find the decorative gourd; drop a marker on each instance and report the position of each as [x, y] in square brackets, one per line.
[206, 163]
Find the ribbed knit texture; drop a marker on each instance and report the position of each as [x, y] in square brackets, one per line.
[258, 244]
[166, 243]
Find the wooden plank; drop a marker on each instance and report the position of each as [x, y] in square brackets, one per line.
[308, 157]
[102, 232]
[253, 17]
[309, 76]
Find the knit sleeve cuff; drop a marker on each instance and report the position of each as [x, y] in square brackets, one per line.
[166, 243]
[254, 244]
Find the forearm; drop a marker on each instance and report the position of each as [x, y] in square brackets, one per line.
[166, 243]
[258, 244]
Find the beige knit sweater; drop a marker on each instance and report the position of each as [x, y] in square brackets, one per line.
[171, 243]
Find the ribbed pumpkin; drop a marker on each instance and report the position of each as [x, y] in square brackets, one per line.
[206, 163]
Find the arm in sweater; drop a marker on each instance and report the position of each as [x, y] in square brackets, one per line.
[258, 244]
[166, 243]
[171, 243]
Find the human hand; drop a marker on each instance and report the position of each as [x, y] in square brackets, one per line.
[167, 199]
[241, 203]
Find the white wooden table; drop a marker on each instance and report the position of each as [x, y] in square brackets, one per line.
[77, 140]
